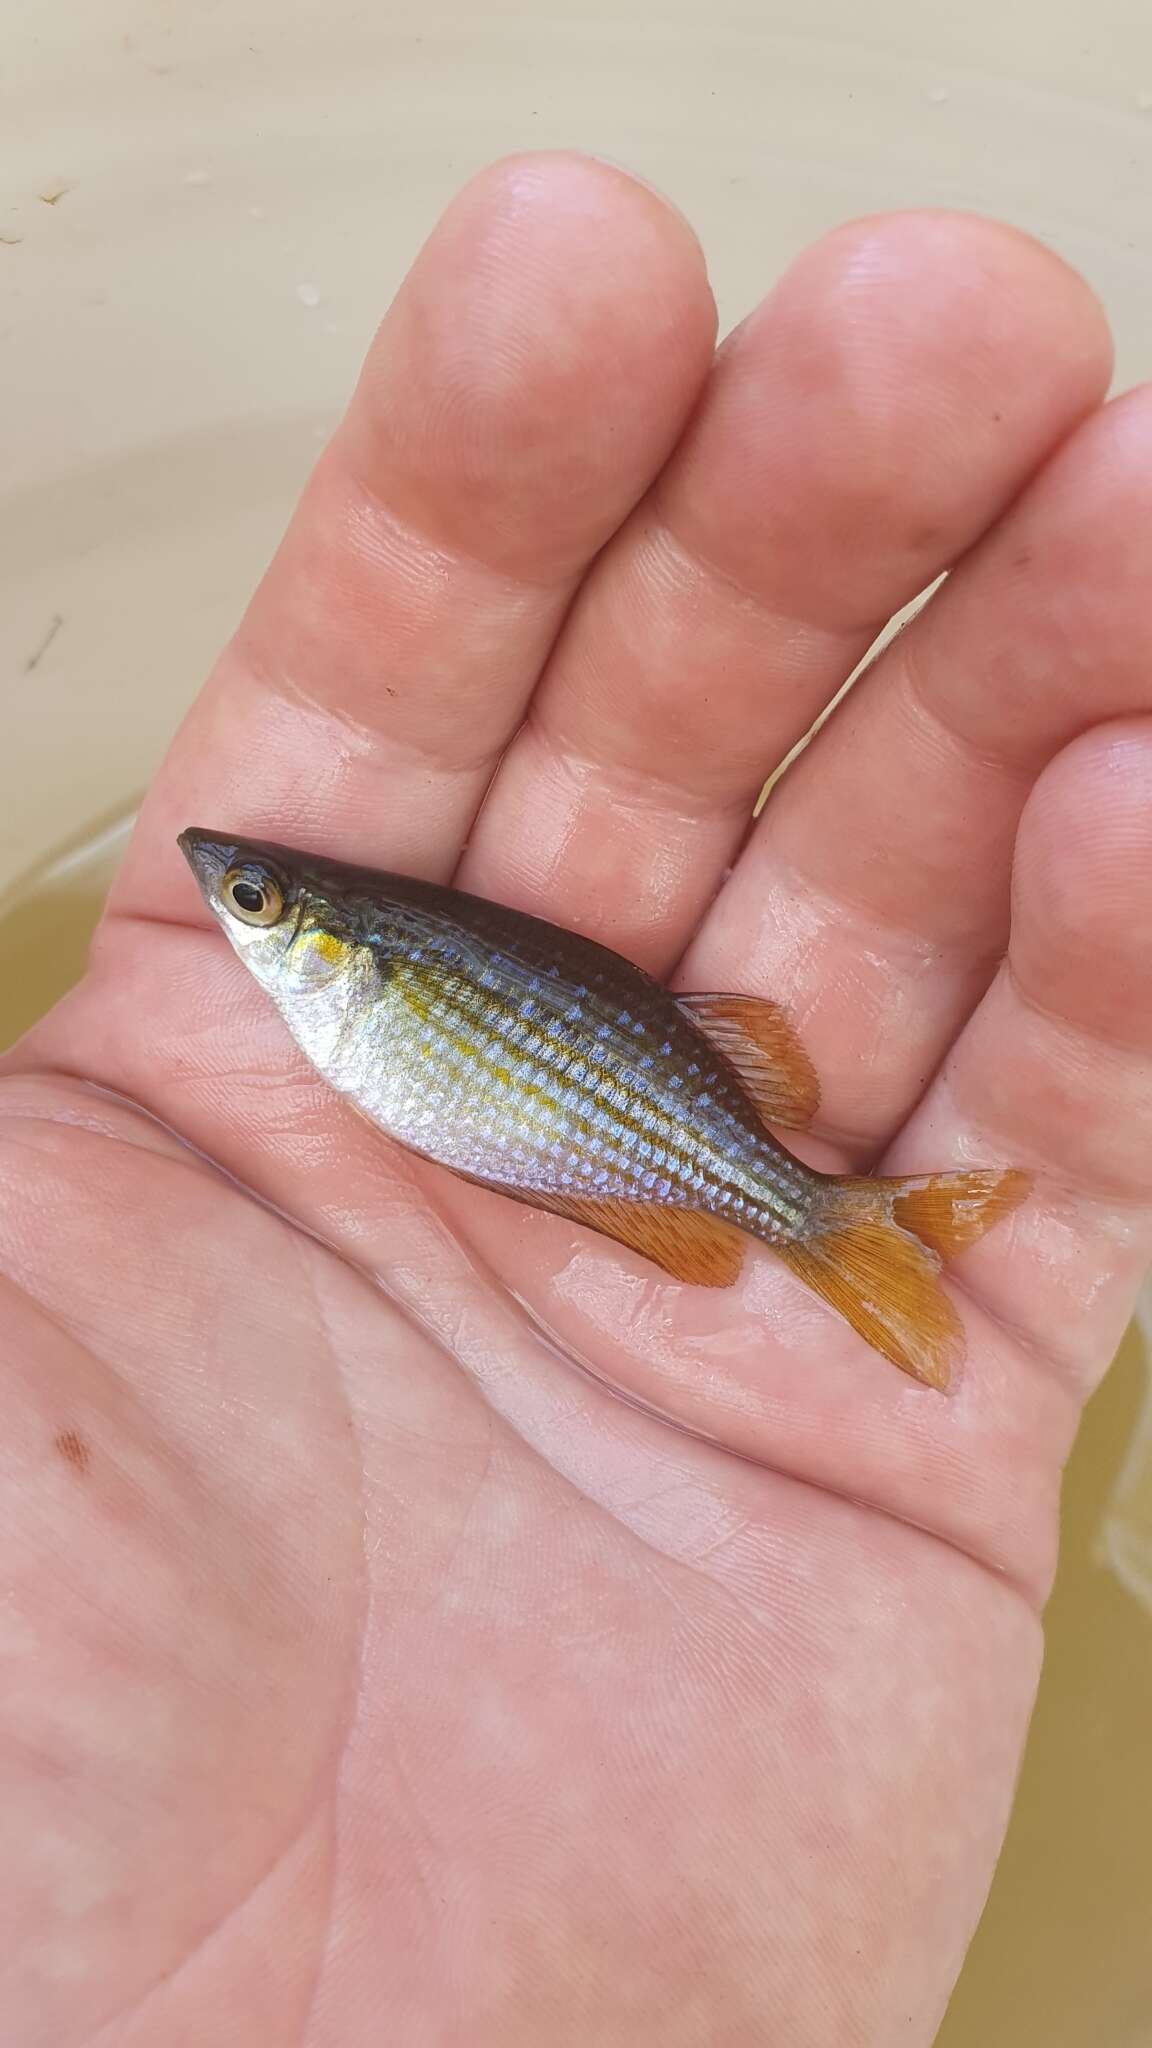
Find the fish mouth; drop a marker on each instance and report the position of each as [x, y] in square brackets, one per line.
[209, 856]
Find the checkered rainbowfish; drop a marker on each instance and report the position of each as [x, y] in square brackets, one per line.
[540, 1064]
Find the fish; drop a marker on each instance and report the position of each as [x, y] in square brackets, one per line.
[536, 1062]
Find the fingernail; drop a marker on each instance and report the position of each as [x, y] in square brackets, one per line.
[637, 178]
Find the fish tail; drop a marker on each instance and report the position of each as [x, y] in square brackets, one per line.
[874, 1250]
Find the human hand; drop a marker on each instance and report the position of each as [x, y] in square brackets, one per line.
[371, 1672]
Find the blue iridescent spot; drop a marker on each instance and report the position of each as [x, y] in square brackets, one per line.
[692, 1067]
[624, 1017]
[646, 1059]
[638, 1030]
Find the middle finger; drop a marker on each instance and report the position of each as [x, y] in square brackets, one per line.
[857, 435]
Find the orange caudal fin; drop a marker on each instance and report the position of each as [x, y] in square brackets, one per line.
[949, 1211]
[875, 1253]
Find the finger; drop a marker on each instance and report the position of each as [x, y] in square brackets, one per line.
[874, 893]
[531, 376]
[1054, 1071]
[858, 433]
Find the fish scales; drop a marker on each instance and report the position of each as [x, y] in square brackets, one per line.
[555, 1087]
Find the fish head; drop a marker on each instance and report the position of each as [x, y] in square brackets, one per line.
[284, 914]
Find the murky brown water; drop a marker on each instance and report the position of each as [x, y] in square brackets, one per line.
[1064, 1956]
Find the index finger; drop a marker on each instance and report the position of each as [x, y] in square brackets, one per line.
[531, 376]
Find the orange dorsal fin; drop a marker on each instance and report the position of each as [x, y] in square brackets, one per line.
[688, 1244]
[757, 1040]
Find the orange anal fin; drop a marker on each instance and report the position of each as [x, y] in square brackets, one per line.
[761, 1045]
[693, 1247]
[886, 1285]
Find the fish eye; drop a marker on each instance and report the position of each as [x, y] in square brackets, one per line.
[255, 898]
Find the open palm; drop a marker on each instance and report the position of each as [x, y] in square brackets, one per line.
[372, 1672]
